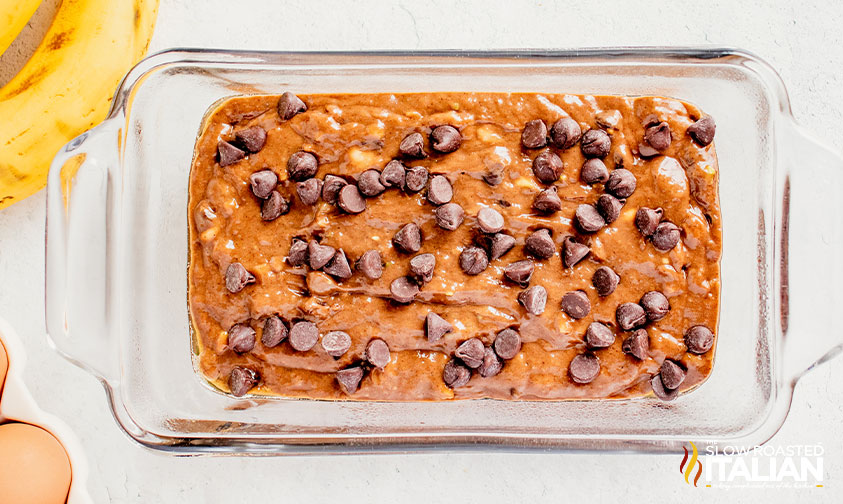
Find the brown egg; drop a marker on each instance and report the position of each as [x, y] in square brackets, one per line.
[4, 365]
[34, 468]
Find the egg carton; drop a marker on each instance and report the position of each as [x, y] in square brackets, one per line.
[17, 405]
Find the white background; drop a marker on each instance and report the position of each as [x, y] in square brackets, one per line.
[800, 39]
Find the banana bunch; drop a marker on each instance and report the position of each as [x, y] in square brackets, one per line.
[67, 85]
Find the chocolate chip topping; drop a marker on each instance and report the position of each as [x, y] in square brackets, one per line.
[449, 216]
[470, 352]
[421, 268]
[275, 206]
[455, 374]
[534, 134]
[350, 200]
[241, 338]
[493, 174]
[655, 305]
[229, 154]
[609, 207]
[297, 256]
[672, 374]
[576, 304]
[377, 353]
[415, 179]
[595, 143]
[667, 236]
[507, 344]
[445, 139]
[647, 219]
[236, 277]
[658, 136]
[274, 331]
[403, 290]
[547, 201]
[303, 335]
[702, 131]
[637, 344]
[473, 260]
[435, 327]
[393, 174]
[584, 368]
[371, 264]
[336, 343]
[547, 167]
[369, 183]
[491, 365]
[262, 183]
[440, 190]
[565, 133]
[520, 271]
[309, 190]
[594, 171]
[699, 339]
[573, 251]
[630, 316]
[605, 281]
[621, 183]
[588, 219]
[331, 188]
[413, 146]
[289, 105]
[408, 239]
[319, 254]
[251, 139]
[489, 220]
[644, 150]
[661, 391]
[301, 166]
[499, 245]
[533, 299]
[539, 244]
[599, 335]
[349, 379]
[338, 266]
[241, 380]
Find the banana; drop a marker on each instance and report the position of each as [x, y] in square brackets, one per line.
[14, 14]
[67, 86]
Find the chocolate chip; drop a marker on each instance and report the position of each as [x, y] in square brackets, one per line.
[547, 167]
[275, 206]
[595, 143]
[489, 220]
[493, 174]
[565, 133]
[547, 201]
[421, 267]
[573, 251]
[301, 166]
[667, 236]
[371, 264]
[349, 379]
[576, 304]
[594, 171]
[338, 266]
[369, 183]
[350, 200]
[252, 139]
[650, 120]
[236, 277]
[455, 374]
[699, 339]
[297, 256]
[241, 338]
[540, 244]
[630, 316]
[274, 331]
[588, 219]
[289, 105]
[658, 136]
[435, 327]
[661, 391]
[408, 239]
[377, 353]
[445, 139]
[655, 305]
[229, 154]
[646, 151]
[473, 260]
[413, 146]
[319, 254]
[599, 335]
[499, 245]
[507, 344]
[609, 207]
[471, 352]
[605, 281]
[393, 174]
[584, 368]
[533, 299]
[702, 131]
[403, 290]
[637, 344]
[520, 271]
[262, 183]
[309, 190]
[647, 219]
[303, 335]
[331, 188]
[491, 365]
[621, 183]
[672, 374]
[440, 190]
[534, 134]
[415, 178]
[241, 380]
[449, 216]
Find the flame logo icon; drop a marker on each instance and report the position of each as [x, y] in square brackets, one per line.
[691, 464]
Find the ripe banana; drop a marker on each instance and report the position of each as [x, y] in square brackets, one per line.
[14, 14]
[67, 85]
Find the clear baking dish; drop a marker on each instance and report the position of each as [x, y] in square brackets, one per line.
[117, 256]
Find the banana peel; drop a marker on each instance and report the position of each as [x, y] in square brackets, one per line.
[67, 86]
[14, 14]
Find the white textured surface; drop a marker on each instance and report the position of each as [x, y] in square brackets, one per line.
[800, 39]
